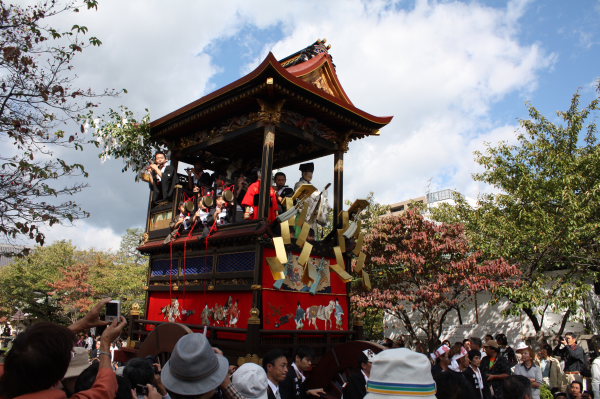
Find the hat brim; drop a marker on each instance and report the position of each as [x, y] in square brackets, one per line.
[196, 387]
[521, 349]
[372, 395]
[75, 371]
[263, 396]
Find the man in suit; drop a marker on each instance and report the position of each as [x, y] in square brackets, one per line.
[276, 365]
[356, 387]
[292, 387]
[163, 177]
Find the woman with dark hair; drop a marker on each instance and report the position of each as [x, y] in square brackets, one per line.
[40, 356]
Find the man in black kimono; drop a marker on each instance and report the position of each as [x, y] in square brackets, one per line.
[163, 178]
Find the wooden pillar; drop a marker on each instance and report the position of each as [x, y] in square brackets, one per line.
[266, 168]
[338, 187]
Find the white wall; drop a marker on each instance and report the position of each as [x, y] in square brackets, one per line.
[491, 321]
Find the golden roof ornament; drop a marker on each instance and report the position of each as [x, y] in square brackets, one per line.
[135, 309]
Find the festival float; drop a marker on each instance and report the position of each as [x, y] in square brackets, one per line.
[254, 284]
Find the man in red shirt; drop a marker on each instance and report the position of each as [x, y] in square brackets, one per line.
[250, 202]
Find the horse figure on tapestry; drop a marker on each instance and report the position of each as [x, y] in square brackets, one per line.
[320, 312]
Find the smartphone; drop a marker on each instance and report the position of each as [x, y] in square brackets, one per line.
[113, 310]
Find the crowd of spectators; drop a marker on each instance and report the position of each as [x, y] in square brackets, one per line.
[491, 369]
[56, 362]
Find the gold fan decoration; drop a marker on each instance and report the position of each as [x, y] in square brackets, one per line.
[351, 229]
[294, 219]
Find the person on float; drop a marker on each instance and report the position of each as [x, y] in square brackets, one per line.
[281, 188]
[250, 201]
[162, 178]
[317, 202]
[198, 179]
[307, 170]
[222, 212]
[183, 223]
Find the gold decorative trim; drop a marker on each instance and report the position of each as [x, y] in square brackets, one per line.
[249, 358]
[135, 309]
[254, 316]
[270, 139]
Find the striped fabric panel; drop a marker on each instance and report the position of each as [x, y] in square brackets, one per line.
[395, 388]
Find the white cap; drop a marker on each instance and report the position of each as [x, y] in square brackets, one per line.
[251, 381]
[521, 345]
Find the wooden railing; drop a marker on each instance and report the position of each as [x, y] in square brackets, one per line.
[255, 340]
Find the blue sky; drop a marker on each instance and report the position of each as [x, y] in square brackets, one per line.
[454, 74]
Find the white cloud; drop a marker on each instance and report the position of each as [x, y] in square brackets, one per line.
[84, 236]
[439, 68]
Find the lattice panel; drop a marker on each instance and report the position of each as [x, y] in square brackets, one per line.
[161, 268]
[240, 262]
[199, 265]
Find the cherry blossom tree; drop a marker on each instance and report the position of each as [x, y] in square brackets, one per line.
[422, 270]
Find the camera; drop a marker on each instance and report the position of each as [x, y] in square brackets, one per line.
[113, 311]
[141, 390]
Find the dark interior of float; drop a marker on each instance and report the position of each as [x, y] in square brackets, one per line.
[253, 285]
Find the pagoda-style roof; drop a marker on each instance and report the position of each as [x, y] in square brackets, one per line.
[312, 110]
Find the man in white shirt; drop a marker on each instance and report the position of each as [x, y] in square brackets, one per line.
[89, 342]
[292, 386]
[276, 365]
[473, 373]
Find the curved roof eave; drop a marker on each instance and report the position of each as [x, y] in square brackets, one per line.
[271, 61]
[322, 60]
